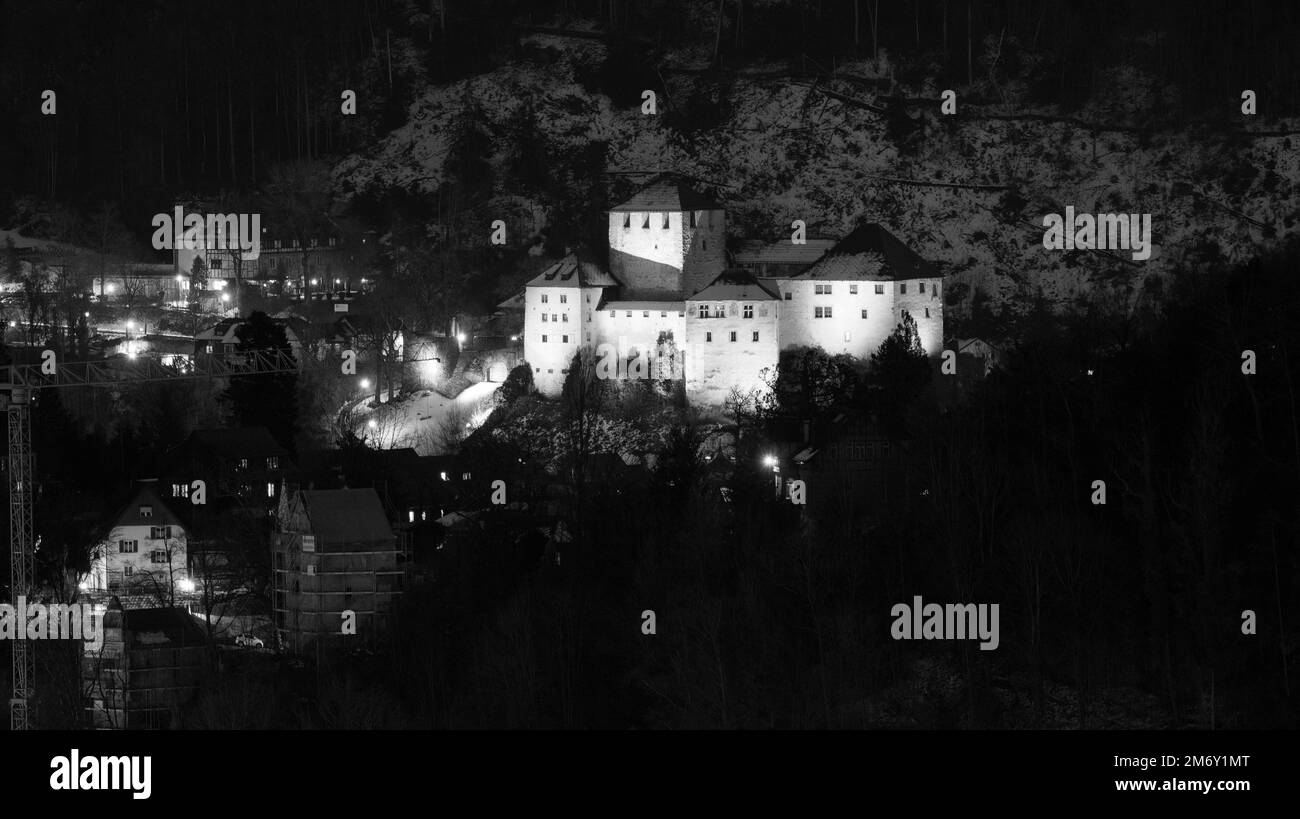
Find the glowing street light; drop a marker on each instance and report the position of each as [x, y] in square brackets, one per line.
[460, 337]
[365, 383]
[186, 585]
[371, 423]
[769, 460]
[225, 297]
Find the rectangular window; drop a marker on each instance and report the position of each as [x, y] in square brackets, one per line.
[564, 318]
[927, 312]
[864, 312]
[789, 296]
[564, 299]
[243, 463]
[160, 532]
[627, 220]
[464, 476]
[880, 290]
[693, 218]
[127, 571]
[821, 289]
[821, 312]
[902, 289]
[128, 547]
[309, 543]
[543, 339]
[273, 463]
[733, 335]
[180, 490]
[749, 311]
[545, 317]
[545, 298]
[921, 287]
[555, 317]
[158, 556]
[665, 221]
[853, 290]
[645, 314]
[629, 314]
[146, 511]
[270, 490]
[611, 314]
[663, 314]
[564, 339]
[708, 336]
[756, 335]
[645, 223]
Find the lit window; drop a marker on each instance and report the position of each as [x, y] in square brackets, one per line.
[464, 476]
[443, 475]
[273, 463]
[270, 490]
[410, 516]
[309, 543]
[243, 463]
[180, 490]
[146, 511]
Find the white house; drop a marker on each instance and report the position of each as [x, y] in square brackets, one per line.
[144, 553]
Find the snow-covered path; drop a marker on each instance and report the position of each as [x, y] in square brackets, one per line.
[424, 420]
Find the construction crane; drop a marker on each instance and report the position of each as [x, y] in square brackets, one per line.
[20, 383]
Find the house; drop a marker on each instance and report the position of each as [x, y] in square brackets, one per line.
[223, 338]
[247, 464]
[148, 668]
[338, 569]
[847, 463]
[145, 553]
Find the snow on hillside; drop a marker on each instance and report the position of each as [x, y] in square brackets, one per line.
[785, 151]
[427, 420]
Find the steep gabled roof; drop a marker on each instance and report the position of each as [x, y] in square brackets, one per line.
[758, 252]
[667, 192]
[160, 515]
[573, 271]
[346, 516]
[870, 253]
[244, 442]
[735, 285]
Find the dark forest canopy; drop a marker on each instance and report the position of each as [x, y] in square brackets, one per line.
[162, 97]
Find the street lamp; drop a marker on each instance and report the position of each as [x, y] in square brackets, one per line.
[365, 383]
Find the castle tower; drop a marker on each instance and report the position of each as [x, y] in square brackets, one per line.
[667, 242]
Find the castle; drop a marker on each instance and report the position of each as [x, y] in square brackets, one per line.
[669, 296]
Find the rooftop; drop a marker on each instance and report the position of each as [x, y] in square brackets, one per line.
[346, 515]
[667, 192]
[735, 285]
[870, 253]
[572, 271]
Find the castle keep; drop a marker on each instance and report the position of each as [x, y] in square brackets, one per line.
[668, 295]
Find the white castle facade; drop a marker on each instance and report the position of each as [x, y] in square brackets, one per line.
[669, 307]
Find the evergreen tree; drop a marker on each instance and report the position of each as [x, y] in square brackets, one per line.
[265, 400]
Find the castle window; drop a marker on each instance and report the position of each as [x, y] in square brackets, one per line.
[902, 289]
[545, 317]
[756, 335]
[821, 289]
[722, 311]
[545, 298]
[588, 298]
[554, 317]
[663, 314]
[880, 290]
[749, 311]
[821, 312]
[645, 314]
[564, 339]
[645, 223]
[789, 296]
[588, 338]
[543, 339]
[853, 290]
[564, 318]
[733, 335]
[564, 299]
[693, 218]
[665, 221]
[864, 312]
[708, 336]
[588, 315]
[627, 220]
[921, 287]
[927, 312]
[611, 314]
